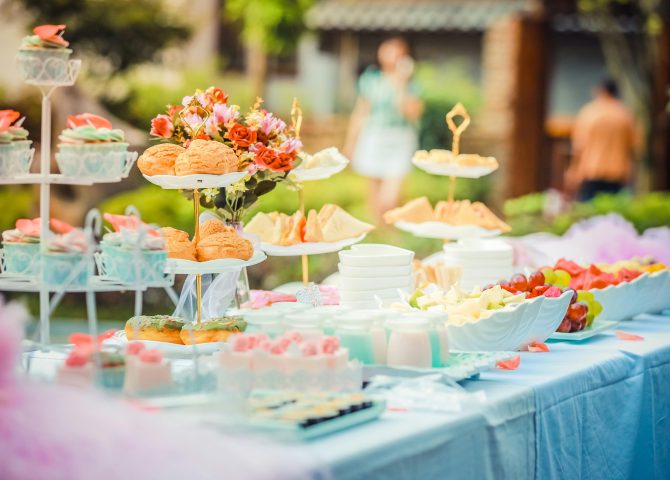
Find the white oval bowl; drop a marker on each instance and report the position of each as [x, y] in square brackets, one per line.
[374, 272]
[380, 283]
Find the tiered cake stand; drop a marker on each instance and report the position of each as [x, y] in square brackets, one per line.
[300, 176]
[51, 293]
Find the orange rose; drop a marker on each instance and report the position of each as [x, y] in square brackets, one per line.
[217, 95]
[273, 160]
[161, 126]
[241, 136]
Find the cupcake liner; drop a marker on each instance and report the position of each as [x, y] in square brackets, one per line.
[15, 158]
[93, 160]
[57, 268]
[119, 263]
[21, 258]
[45, 65]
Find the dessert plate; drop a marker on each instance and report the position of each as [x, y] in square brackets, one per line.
[309, 248]
[187, 267]
[119, 339]
[316, 173]
[189, 182]
[452, 170]
[445, 231]
[597, 328]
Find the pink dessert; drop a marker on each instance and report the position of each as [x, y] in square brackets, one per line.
[146, 370]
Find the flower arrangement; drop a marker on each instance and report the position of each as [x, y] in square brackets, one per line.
[266, 146]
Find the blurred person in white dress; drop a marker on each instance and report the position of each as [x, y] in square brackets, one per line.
[383, 131]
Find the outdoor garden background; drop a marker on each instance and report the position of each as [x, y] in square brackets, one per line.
[521, 67]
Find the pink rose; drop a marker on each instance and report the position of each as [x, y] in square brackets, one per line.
[161, 126]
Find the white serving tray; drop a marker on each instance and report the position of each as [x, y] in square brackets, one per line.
[187, 267]
[445, 231]
[190, 182]
[598, 327]
[309, 248]
[452, 170]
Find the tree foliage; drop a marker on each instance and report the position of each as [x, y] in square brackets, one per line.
[275, 24]
[124, 32]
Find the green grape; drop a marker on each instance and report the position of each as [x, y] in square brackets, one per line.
[596, 308]
[585, 296]
[549, 276]
[562, 279]
[589, 318]
[414, 297]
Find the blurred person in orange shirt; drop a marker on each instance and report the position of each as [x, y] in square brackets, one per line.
[604, 144]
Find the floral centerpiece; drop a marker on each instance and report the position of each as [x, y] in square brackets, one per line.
[266, 146]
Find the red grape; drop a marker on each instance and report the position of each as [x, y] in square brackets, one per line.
[535, 280]
[519, 282]
[552, 292]
[577, 311]
[539, 290]
[565, 326]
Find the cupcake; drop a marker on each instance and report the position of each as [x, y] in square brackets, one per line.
[43, 57]
[21, 245]
[89, 147]
[15, 152]
[159, 159]
[146, 371]
[120, 248]
[206, 157]
[65, 263]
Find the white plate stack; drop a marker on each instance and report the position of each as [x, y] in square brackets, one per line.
[482, 261]
[370, 273]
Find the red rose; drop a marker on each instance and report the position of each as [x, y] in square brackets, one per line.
[161, 126]
[217, 95]
[273, 159]
[241, 136]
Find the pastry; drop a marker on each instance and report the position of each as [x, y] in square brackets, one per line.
[178, 244]
[293, 230]
[340, 226]
[224, 245]
[488, 217]
[206, 157]
[210, 227]
[159, 159]
[266, 227]
[159, 328]
[213, 330]
[414, 211]
[313, 232]
[471, 160]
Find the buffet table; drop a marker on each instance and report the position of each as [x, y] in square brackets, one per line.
[593, 409]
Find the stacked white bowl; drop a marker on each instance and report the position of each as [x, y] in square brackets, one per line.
[482, 261]
[370, 273]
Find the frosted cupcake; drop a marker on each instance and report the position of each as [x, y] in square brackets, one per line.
[89, 147]
[43, 57]
[15, 152]
[64, 263]
[21, 245]
[131, 237]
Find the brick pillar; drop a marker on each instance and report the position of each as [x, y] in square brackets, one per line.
[514, 84]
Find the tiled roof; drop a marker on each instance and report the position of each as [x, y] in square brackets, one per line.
[409, 15]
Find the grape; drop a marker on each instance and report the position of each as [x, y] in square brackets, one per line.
[585, 295]
[565, 326]
[535, 280]
[552, 292]
[549, 275]
[562, 279]
[519, 282]
[577, 311]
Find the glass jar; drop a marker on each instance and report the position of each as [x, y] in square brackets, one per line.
[306, 323]
[374, 320]
[264, 321]
[409, 343]
[437, 333]
[356, 337]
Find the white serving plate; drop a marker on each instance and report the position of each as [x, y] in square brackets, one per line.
[626, 300]
[309, 248]
[374, 272]
[188, 267]
[190, 182]
[317, 173]
[169, 349]
[596, 328]
[659, 291]
[376, 255]
[445, 231]
[451, 170]
[513, 327]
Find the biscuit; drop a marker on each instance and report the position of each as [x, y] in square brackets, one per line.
[206, 157]
[159, 159]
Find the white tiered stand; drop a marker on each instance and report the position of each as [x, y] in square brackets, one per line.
[96, 283]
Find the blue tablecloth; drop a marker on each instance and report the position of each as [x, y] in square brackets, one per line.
[594, 409]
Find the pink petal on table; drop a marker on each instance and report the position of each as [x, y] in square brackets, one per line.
[628, 336]
[511, 364]
[538, 347]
